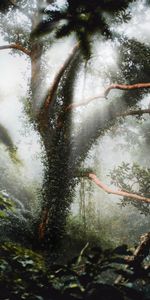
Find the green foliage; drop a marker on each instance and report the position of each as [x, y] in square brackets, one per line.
[77, 235]
[16, 222]
[6, 206]
[26, 275]
[59, 179]
[22, 273]
[16, 30]
[134, 179]
[133, 67]
[132, 60]
[82, 17]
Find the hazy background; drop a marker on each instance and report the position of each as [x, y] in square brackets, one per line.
[103, 157]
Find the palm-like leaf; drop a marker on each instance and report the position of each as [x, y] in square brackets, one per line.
[82, 17]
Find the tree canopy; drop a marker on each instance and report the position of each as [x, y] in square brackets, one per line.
[68, 129]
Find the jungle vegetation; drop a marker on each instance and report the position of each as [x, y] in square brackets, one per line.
[31, 246]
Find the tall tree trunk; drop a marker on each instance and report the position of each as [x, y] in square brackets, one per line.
[59, 167]
[36, 75]
[57, 188]
[36, 61]
[59, 178]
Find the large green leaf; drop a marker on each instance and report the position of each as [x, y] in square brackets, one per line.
[82, 17]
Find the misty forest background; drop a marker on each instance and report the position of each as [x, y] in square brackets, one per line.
[74, 149]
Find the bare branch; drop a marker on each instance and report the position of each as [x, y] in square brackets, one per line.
[86, 102]
[17, 47]
[126, 87]
[108, 190]
[43, 115]
[107, 91]
[58, 76]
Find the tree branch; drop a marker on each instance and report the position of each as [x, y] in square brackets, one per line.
[58, 76]
[43, 115]
[107, 91]
[134, 112]
[86, 102]
[108, 190]
[17, 47]
[126, 87]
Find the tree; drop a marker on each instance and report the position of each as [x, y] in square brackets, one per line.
[64, 152]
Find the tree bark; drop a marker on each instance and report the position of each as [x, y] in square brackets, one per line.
[36, 75]
[104, 95]
[63, 152]
[127, 87]
[79, 145]
[59, 178]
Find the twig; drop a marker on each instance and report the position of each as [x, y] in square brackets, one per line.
[81, 254]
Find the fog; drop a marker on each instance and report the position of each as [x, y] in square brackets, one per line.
[105, 155]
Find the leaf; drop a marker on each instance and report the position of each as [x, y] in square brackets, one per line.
[2, 215]
[6, 205]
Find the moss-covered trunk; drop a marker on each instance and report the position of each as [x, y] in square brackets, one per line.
[58, 181]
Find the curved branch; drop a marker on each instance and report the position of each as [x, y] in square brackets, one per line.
[108, 190]
[126, 87]
[43, 115]
[17, 47]
[58, 77]
[86, 102]
[106, 92]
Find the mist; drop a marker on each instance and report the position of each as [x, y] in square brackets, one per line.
[108, 151]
